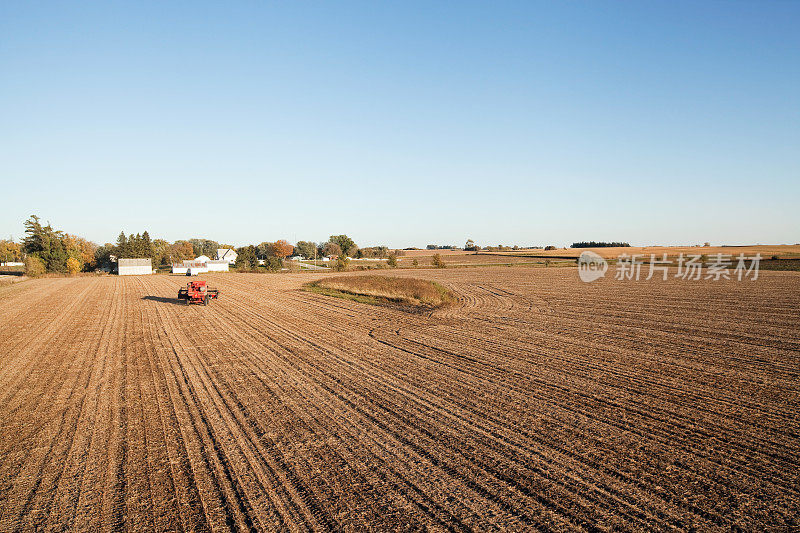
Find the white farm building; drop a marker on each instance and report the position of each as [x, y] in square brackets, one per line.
[217, 266]
[133, 267]
[199, 265]
[226, 254]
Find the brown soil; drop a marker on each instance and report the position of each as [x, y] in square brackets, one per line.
[535, 402]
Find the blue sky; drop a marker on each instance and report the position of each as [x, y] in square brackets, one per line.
[404, 123]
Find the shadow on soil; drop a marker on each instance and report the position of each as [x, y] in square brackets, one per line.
[163, 300]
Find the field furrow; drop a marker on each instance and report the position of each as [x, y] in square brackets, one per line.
[535, 402]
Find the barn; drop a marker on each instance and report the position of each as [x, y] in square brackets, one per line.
[133, 267]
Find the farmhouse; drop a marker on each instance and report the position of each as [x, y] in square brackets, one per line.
[133, 267]
[226, 254]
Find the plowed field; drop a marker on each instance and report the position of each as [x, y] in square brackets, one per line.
[536, 402]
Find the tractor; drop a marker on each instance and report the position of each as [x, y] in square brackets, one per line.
[197, 292]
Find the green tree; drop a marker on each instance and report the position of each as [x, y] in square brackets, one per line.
[264, 250]
[135, 245]
[246, 258]
[392, 261]
[148, 250]
[34, 241]
[305, 248]
[121, 250]
[205, 247]
[103, 254]
[54, 248]
[161, 252]
[341, 264]
[375, 252]
[346, 244]
[331, 248]
[273, 264]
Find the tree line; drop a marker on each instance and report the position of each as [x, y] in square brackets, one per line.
[271, 255]
[595, 244]
[10, 251]
[159, 251]
[45, 249]
[50, 250]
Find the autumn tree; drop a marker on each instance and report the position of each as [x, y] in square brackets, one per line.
[34, 267]
[181, 251]
[282, 249]
[10, 251]
[73, 266]
[87, 250]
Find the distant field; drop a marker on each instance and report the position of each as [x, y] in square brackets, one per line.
[534, 402]
[537, 256]
[766, 251]
[462, 258]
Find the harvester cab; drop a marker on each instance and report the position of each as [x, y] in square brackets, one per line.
[198, 292]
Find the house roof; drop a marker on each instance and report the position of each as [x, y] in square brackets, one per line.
[135, 262]
[222, 252]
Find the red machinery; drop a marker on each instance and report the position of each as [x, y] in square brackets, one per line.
[197, 292]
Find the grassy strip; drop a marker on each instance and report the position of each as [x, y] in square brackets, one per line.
[377, 290]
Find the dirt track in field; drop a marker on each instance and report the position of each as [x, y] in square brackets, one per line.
[537, 402]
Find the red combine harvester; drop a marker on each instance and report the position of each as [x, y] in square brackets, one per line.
[197, 292]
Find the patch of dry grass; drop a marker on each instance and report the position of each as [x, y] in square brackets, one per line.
[377, 289]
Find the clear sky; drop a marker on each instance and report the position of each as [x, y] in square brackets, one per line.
[403, 123]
